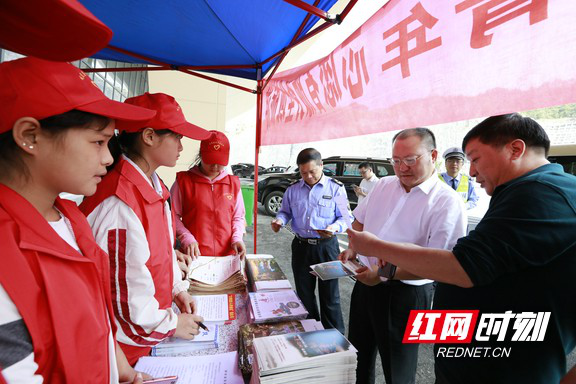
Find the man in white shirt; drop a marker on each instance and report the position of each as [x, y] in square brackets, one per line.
[413, 206]
[368, 182]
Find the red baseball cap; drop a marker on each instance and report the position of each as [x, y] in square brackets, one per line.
[59, 30]
[169, 115]
[215, 149]
[38, 88]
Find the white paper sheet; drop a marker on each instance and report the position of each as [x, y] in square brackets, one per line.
[211, 369]
[213, 308]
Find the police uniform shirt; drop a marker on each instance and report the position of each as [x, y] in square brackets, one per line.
[314, 207]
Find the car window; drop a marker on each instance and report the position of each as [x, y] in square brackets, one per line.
[351, 169]
[382, 170]
[330, 169]
[328, 172]
[568, 162]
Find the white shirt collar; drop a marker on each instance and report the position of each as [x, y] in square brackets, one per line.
[427, 185]
[157, 186]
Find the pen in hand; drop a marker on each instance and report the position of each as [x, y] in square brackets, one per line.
[201, 325]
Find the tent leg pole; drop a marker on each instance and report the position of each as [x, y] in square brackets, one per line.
[257, 152]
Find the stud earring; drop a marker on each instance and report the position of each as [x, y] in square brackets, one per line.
[24, 144]
[31, 146]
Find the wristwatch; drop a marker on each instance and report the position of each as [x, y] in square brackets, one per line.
[388, 271]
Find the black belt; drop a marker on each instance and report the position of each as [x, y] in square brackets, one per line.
[313, 240]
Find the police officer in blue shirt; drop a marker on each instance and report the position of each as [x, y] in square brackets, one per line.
[463, 184]
[309, 204]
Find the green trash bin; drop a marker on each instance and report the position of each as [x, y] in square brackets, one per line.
[248, 197]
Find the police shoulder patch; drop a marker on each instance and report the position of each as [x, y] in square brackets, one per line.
[337, 182]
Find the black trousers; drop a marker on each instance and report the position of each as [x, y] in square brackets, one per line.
[378, 318]
[303, 256]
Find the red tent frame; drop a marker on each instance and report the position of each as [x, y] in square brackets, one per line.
[261, 84]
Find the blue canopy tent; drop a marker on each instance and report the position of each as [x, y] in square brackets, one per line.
[242, 38]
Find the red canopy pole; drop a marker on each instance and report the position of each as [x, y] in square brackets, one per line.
[216, 80]
[312, 10]
[126, 69]
[258, 139]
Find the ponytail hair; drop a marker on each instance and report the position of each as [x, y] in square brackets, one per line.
[197, 161]
[129, 144]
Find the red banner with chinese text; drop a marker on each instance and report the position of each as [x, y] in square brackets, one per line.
[418, 63]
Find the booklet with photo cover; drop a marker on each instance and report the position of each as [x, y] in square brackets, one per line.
[325, 356]
[336, 269]
[248, 332]
[276, 306]
[264, 273]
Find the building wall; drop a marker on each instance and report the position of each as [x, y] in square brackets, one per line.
[203, 103]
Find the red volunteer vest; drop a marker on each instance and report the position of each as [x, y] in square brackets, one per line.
[62, 296]
[126, 183]
[208, 210]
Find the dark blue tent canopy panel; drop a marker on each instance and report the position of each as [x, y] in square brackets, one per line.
[203, 32]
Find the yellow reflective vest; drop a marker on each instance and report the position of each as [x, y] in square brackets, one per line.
[462, 188]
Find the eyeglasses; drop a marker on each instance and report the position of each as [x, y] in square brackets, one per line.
[454, 160]
[408, 161]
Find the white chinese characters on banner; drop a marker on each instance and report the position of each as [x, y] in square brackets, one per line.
[423, 62]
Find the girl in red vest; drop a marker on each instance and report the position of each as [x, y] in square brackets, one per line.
[56, 319]
[208, 202]
[131, 219]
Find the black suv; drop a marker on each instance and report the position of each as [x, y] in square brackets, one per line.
[244, 169]
[345, 169]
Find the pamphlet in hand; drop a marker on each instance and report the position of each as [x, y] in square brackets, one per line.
[336, 269]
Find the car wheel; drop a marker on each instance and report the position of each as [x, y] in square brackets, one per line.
[273, 202]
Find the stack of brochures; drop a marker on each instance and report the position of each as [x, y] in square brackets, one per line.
[264, 274]
[248, 332]
[211, 275]
[216, 309]
[174, 346]
[276, 306]
[335, 269]
[310, 357]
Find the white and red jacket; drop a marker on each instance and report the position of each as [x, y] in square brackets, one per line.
[131, 220]
[211, 212]
[61, 295]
